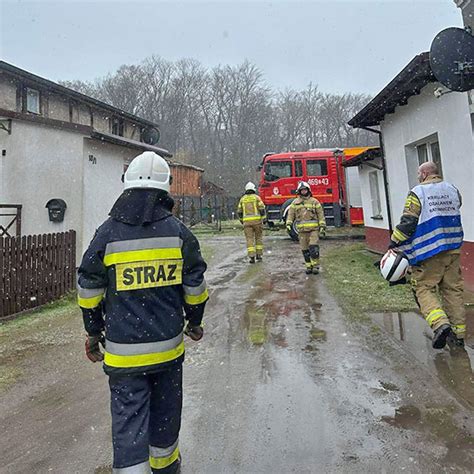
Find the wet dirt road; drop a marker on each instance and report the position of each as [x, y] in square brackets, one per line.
[281, 383]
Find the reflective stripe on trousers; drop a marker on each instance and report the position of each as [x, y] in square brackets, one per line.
[142, 468]
[163, 457]
[435, 315]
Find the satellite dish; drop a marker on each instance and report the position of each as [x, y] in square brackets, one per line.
[151, 136]
[452, 59]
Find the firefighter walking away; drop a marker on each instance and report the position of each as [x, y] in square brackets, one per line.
[308, 215]
[430, 234]
[141, 287]
[251, 212]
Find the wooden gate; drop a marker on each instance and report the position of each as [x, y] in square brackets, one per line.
[35, 270]
[13, 214]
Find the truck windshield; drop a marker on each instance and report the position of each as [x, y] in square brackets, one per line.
[317, 167]
[277, 169]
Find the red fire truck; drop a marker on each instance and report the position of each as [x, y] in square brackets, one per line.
[322, 169]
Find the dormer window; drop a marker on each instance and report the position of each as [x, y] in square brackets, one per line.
[32, 101]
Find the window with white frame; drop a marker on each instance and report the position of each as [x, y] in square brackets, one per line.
[32, 101]
[375, 195]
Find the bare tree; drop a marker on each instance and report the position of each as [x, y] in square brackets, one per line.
[226, 118]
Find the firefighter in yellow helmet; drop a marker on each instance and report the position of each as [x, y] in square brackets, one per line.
[308, 215]
[251, 212]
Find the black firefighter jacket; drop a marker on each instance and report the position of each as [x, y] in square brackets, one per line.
[140, 278]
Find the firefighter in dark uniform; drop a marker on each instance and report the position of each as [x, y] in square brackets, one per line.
[141, 286]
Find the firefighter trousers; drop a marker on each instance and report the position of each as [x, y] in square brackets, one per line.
[254, 236]
[438, 286]
[309, 244]
[146, 418]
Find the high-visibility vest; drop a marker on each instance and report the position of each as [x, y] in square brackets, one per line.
[250, 206]
[439, 225]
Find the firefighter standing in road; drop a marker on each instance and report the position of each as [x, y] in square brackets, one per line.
[141, 270]
[251, 212]
[430, 234]
[308, 215]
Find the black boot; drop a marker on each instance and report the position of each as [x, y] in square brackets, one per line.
[307, 260]
[454, 342]
[259, 258]
[251, 259]
[440, 336]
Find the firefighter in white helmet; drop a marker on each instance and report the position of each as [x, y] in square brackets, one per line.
[251, 212]
[308, 215]
[141, 287]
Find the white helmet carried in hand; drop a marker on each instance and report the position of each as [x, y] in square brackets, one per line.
[301, 185]
[148, 170]
[250, 187]
[394, 266]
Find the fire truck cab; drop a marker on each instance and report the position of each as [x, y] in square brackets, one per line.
[321, 168]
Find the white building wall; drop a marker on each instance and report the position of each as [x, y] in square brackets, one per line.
[369, 220]
[425, 115]
[58, 107]
[42, 163]
[102, 182]
[7, 93]
[354, 196]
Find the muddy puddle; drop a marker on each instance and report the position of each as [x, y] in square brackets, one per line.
[452, 366]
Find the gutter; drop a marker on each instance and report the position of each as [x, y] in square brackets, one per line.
[384, 173]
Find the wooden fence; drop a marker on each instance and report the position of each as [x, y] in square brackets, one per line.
[35, 270]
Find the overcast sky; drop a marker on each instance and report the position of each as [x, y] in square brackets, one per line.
[341, 45]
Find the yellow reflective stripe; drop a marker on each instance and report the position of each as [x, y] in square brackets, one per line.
[90, 303]
[161, 463]
[308, 264]
[412, 201]
[196, 299]
[458, 328]
[312, 224]
[141, 255]
[434, 315]
[399, 235]
[259, 247]
[142, 360]
[252, 218]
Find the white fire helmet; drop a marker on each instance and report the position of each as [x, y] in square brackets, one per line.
[148, 170]
[250, 187]
[394, 266]
[301, 185]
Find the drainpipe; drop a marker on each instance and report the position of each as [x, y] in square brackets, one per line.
[384, 173]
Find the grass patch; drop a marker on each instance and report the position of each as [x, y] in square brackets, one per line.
[21, 337]
[39, 317]
[208, 252]
[358, 286]
[231, 227]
